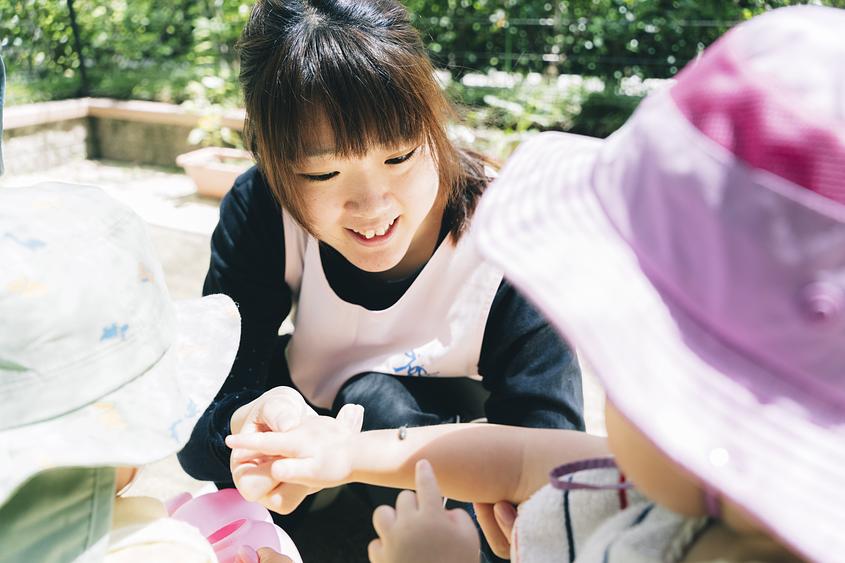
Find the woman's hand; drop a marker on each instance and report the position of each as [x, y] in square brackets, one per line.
[278, 409]
[420, 529]
[315, 454]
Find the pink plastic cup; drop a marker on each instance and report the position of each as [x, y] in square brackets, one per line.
[229, 522]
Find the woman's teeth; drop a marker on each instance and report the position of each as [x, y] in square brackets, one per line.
[377, 232]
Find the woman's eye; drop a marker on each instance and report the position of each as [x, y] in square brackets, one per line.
[400, 159]
[319, 177]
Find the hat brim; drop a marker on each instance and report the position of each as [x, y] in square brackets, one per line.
[779, 455]
[145, 420]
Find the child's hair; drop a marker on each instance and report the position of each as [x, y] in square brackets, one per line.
[361, 66]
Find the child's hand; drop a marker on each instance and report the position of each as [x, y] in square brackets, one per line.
[279, 409]
[497, 522]
[420, 529]
[263, 555]
[316, 454]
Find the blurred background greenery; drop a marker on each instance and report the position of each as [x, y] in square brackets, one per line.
[512, 66]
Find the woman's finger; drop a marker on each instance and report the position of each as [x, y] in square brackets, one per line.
[351, 416]
[282, 412]
[289, 444]
[254, 480]
[293, 470]
[284, 498]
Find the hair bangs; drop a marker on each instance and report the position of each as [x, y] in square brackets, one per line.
[366, 96]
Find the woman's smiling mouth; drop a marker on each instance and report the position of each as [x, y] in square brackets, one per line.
[372, 236]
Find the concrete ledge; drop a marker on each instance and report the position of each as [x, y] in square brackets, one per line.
[43, 113]
[30, 115]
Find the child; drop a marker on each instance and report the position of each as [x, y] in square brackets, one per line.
[697, 259]
[100, 373]
[356, 213]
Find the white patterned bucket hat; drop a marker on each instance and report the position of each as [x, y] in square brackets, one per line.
[98, 367]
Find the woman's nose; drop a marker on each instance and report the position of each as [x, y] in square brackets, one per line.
[368, 201]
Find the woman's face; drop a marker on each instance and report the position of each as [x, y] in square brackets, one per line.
[382, 211]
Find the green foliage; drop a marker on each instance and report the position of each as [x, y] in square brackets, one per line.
[496, 118]
[611, 39]
[602, 113]
[525, 103]
[143, 49]
[182, 51]
[210, 97]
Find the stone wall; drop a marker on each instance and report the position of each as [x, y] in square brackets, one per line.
[41, 136]
[143, 143]
[38, 147]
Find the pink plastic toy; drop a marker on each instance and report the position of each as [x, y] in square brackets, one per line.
[229, 521]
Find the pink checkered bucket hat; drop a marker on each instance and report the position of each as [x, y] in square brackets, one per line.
[696, 258]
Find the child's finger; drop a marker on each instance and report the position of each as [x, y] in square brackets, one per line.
[267, 555]
[246, 555]
[492, 530]
[406, 502]
[375, 551]
[351, 416]
[460, 518]
[384, 517]
[505, 514]
[428, 491]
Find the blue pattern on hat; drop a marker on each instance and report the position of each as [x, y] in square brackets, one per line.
[114, 331]
[191, 413]
[30, 243]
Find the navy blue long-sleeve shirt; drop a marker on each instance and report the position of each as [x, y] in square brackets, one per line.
[531, 374]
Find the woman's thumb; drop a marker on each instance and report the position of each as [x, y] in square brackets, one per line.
[351, 416]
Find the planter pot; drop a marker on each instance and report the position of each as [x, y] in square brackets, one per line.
[214, 169]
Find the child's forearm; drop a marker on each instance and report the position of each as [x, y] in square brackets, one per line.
[472, 462]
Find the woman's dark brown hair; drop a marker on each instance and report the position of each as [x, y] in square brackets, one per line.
[361, 66]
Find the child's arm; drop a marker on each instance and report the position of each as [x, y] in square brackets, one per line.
[474, 462]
